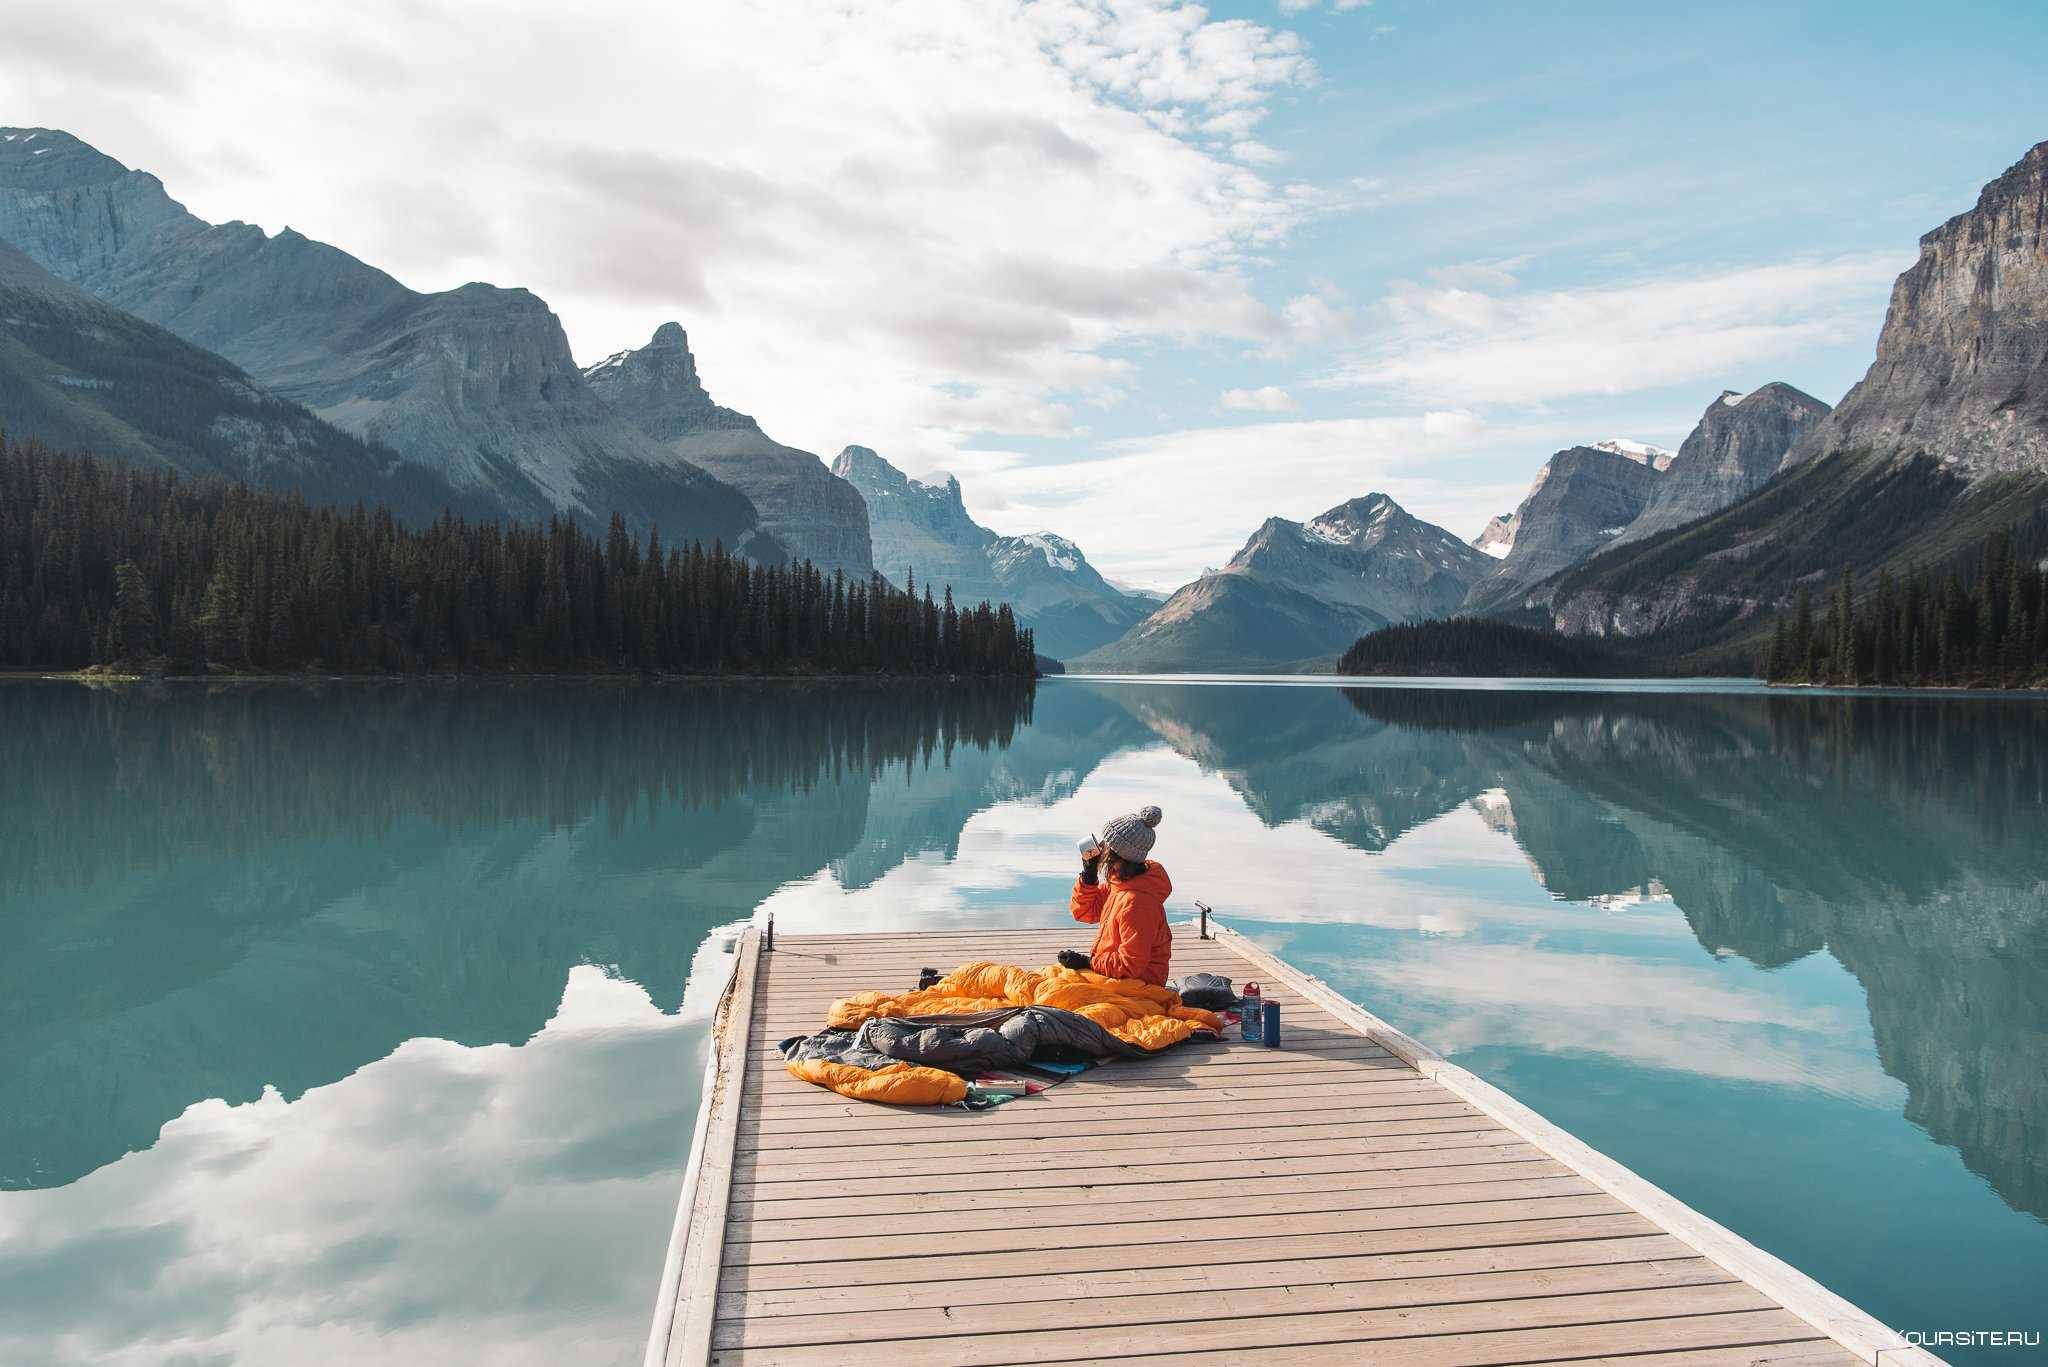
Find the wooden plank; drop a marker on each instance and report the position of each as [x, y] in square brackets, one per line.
[1103, 1312]
[1142, 1283]
[1763, 1328]
[1160, 1197]
[1240, 1112]
[1072, 1231]
[768, 1185]
[1096, 1130]
[1225, 1124]
[1810, 1353]
[684, 1314]
[1285, 1250]
[1106, 1215]
[1400, 1326]
[1414, 1134]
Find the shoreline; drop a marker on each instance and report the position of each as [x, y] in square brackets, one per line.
[87, 677]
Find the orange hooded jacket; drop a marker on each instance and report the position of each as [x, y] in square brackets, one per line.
[1133, 940]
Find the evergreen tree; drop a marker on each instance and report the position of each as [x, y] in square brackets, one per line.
[134, 614]
[220, 619]
[100, 563]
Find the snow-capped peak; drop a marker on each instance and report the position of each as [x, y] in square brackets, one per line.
[1641, 452]
[1059, 552]
[1731, 397]
[1340, 526]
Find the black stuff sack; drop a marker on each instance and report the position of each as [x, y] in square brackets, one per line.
[1207, 992]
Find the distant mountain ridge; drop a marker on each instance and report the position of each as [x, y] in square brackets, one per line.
[814, 514]
[82, 375]
[925, 529]
[476, 384]
[1299, 593]
[1738, 444]
[1581, 500]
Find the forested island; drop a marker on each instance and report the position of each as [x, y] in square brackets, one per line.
[1484, 647]
[108, 566]
[1975, 622]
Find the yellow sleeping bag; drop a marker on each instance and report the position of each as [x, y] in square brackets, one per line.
[1138, 1013]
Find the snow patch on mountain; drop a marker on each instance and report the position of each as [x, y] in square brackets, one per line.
[1059, 553]
[1641, 452]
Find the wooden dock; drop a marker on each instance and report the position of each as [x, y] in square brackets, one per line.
[1349, 1197]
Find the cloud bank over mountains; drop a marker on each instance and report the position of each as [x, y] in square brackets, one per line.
[1051, 245]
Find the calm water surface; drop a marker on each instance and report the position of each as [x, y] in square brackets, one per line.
[356, 1025]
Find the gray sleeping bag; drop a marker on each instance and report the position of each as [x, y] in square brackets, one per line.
[986, 1041]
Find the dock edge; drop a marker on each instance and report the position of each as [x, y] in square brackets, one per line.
[681, 1329]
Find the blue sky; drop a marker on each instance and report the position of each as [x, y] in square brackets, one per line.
[1138, 271]
[1590, 147]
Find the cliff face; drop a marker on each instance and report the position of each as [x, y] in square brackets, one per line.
[1943, 440]
[919, 528]
[1738, 444]
[813, 513]
[1962, 364]
[1299, 593]
[476, 384]
[924, 529]
[1497, 538]
[79, 373]
[1583, 498]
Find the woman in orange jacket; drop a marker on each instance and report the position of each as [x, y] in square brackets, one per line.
[1123, 893]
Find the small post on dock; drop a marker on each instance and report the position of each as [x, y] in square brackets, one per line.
[768, 940]
[1204, 908]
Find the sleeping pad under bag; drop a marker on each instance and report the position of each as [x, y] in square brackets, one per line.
[910, 1048]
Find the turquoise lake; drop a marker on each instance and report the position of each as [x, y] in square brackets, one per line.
[355, 1023]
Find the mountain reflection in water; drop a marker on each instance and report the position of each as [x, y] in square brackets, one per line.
[343, 1022]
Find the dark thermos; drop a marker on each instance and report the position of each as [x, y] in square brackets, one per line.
[1269, 1024]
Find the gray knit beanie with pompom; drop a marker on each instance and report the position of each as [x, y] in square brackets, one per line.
[1132, 836]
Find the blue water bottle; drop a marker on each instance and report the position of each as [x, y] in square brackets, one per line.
[1269, 1025]
[1248, 1011]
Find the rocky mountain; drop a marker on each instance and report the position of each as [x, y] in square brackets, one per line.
[925, 529]
[1583, 498]
[81, 374]
[812, 512]
[1738, 444]
[920, 527]
[1961, 373]
[476, 384]
[1944, 440]
[1641, 452]
[1497, 538]
[1298, 593]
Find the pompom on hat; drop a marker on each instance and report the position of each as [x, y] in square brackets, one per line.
[1131, 836]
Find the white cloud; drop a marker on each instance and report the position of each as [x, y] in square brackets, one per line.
[442, 1204]
[1189, 498]
[1684, 1017]
[907, 203]
[1270, 398]
[1474, 337]
[1319, 318]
